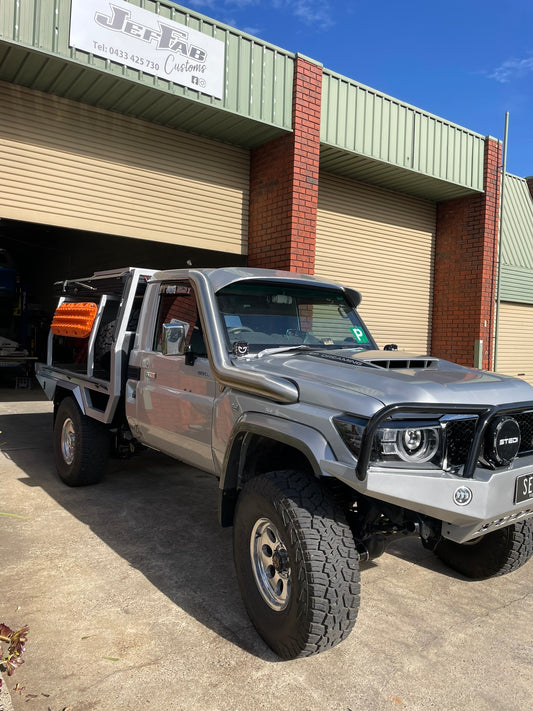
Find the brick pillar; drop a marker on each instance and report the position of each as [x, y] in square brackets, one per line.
[465, 269]
[284, 183]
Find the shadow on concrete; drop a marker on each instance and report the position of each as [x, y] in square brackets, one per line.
[156, 513]
[411, 550]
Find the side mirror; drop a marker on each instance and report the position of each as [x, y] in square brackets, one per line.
[174, 335]
[390, 347]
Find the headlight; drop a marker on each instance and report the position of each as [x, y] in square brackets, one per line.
[411, 443]
[397, 443]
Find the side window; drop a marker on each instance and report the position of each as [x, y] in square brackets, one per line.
[177, 304]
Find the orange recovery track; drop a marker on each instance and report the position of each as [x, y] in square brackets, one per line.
[74, 319]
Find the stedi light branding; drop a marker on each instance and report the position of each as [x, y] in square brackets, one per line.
[140, 39]
[508, 440]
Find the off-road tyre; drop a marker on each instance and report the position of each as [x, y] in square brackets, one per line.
[496, 553]
[317, 607]
[104, 344]
[81, 445]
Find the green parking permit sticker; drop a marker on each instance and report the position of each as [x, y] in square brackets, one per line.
[360, 335]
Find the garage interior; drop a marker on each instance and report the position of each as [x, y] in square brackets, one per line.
[45, 254]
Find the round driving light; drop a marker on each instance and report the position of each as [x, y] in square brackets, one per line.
[503, 441]
[417, 444]
[462, 496]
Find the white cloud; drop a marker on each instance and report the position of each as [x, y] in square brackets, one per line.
[512, 69]
[220, 4]
[310, 12]
[313, 12]
[199, 4]
[241, 3]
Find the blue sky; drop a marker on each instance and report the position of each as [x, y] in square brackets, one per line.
[464, 60]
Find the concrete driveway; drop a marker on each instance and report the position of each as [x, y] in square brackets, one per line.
[129, 591]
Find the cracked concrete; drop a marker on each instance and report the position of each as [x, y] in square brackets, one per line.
[129, 591]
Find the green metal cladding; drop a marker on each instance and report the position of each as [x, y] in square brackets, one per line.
[366, 122]
[516, 281]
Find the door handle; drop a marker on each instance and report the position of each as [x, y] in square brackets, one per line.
[151, 375]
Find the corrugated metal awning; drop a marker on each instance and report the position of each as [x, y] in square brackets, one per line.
[349, 165]
[256, 102]
[367, 135]
[61, 77]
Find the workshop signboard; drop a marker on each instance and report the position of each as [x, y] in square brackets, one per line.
[140, 39]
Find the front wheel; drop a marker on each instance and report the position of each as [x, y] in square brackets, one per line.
[81, 445]
[493, 554]
[296, 563]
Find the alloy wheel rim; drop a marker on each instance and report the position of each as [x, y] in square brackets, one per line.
[68, 441]
[270, 564]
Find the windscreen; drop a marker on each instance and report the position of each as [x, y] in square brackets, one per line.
[266, 315]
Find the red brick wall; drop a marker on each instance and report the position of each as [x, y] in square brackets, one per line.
[284, 183]
[465, 269]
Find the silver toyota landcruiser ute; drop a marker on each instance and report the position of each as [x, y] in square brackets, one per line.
[325, 447]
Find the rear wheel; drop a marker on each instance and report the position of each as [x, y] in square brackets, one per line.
[494, 554]
[81, 445]
[296, 562]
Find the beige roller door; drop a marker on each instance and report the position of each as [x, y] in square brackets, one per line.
[381, 243]
[515, 340]
[68, 164]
